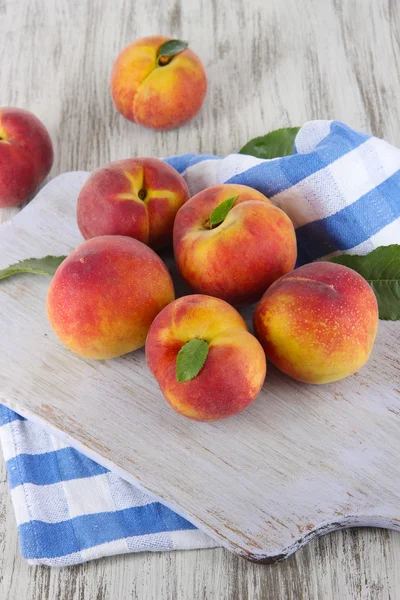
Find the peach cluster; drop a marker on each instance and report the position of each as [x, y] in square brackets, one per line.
[232, 245]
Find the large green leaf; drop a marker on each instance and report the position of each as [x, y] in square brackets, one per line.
[381, 268]
[190, 360]
[42, 266]
[273, 145]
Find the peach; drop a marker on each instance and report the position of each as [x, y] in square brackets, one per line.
[154, 91]
[238, 259]
[26, 155]
[105, 295]
[318, 324]
[235, 367]
[137, 197]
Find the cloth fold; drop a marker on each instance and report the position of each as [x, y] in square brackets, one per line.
[70, 509]
[341, 189]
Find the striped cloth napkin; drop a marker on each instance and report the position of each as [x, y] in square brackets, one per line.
[342, 191]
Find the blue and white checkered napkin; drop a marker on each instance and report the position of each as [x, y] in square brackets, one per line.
[342, 191]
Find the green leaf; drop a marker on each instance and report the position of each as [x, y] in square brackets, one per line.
[190, 360]
[172, 47]
[219, 213]
[381, 268]
[42, 266]
[276, 143]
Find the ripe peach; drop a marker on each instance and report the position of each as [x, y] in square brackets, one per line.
[26, 155]
[238, 259]
[137, 197]
[156, 93]
[318, 324]
[105, 295]
[235, 367]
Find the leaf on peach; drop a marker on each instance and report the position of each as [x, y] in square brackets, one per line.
[219, 213]
[172, 47]
[190, 360]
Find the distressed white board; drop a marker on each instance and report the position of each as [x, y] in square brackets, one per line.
[270, 64]
[301, 461]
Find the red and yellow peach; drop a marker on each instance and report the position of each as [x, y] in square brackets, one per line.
[26, 155]
[238, 259]
[318, 324]
[235, 367]
[105, 295]
[136, 197]
[157, 94]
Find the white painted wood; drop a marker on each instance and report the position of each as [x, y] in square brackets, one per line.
[301, 461]
[282, 62]
[346, 565]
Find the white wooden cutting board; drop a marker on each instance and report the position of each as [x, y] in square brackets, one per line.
[301, 461]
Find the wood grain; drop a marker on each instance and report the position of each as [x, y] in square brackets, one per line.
[320, 457]
[269, 64]
[343, 565]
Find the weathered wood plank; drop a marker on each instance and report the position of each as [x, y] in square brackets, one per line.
[319, 455]
[269, 64]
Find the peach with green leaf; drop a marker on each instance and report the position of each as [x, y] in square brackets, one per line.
[207, 364]
[231, 242]
[136, 197]
[158, 82]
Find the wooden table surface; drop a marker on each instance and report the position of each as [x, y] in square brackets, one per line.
[270, 64]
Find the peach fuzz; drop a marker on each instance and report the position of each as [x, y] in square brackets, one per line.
[318, 324]
[137, 197]
[234, 370]
[26, 155]
[155, 96]
[105, 295]
[238, 259]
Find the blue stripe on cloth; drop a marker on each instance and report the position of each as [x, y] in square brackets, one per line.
[51, 467]
[79, 533]
[273, 177]
[181, 163]
[353, 224]
[8, 416]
